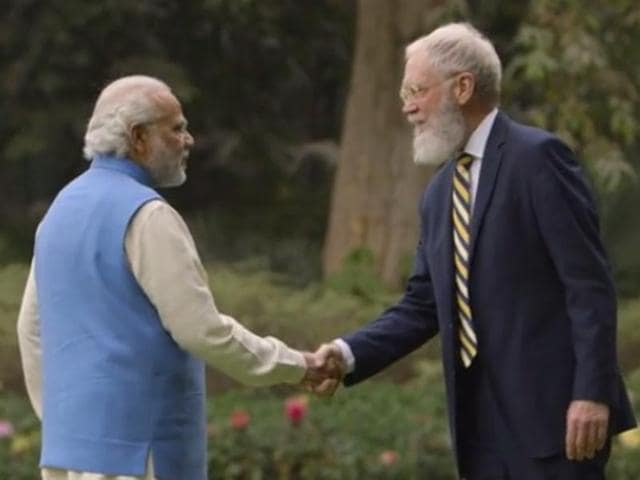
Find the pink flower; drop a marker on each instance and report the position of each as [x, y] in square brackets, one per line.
[240, 419]
[388, 457]
[6, 428]
[295, 408]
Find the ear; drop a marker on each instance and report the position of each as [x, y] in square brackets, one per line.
[138, 139]
[464, 88]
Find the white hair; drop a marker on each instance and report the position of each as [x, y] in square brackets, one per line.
[124, 103]
[459, 47]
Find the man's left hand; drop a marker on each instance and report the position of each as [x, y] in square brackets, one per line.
[587, 429]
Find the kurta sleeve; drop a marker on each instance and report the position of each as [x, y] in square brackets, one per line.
[166, 264]
[29, 343]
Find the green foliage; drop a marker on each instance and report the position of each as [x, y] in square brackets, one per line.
[339, 439]
[12, 281]
[344, 438]
[256, 79]
[376, 430]
[358, 276]
[268, 304]
[20, 449]
[626, 453]
[572, 74]
[264, 301]
[629, 335]
[572, 68]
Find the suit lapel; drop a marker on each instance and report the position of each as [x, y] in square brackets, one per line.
[446, 242]
[488, 172]
[440, 241]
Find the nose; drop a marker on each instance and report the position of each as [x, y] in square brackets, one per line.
[188, 141]
[409, 107]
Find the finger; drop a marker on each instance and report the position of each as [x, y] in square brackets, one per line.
[312, 375]
[333, 351]
[601, 434]
[581, 440]
[328, 351]
[570, 439]
[326, 388]
[321, 356]
[591, 439]
[334, 368]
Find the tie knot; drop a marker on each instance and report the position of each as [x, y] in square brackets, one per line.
[465, 160]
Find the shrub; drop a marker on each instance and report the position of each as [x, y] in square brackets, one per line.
[12, 281]
[376, 430]
[625, 464]
[629, 335]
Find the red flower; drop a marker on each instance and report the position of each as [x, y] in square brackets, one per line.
[240, 419]
[295, 408]
[388, 458]
[6, 428]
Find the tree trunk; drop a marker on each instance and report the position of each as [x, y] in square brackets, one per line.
[377, 187]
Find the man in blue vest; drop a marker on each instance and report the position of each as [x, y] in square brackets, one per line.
[117, 319]
[510, 271]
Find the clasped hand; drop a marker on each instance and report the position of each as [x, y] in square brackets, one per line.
[325, 370]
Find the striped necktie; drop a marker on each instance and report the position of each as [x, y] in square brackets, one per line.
[461, 213]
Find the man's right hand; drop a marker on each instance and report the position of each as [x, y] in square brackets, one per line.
[325, 370]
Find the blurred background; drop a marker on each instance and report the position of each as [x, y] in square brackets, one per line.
[302, 195]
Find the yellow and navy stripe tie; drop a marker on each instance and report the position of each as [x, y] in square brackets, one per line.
[461, 213]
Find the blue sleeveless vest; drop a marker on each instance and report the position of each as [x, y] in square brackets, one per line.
[115, 384]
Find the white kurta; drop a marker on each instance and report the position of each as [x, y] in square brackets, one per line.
[166, 264]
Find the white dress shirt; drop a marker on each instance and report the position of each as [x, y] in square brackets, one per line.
[475, 147]
[166, 264]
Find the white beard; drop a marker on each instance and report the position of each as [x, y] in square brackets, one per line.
[442, 136]
[165, 169]
[167, 176]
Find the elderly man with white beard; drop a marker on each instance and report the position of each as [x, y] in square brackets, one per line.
[117, 319]
[510, 271]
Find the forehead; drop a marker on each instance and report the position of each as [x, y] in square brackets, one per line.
[168, 105]
[418, 69]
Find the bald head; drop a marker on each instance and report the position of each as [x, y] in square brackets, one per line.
[123, 104]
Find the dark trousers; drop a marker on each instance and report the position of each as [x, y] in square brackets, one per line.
[488, 450]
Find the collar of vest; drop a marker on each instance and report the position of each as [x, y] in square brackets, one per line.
[123, 165]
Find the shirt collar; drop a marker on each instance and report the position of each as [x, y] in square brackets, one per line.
[478, 140]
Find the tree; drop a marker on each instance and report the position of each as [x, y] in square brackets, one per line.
[573, 75]
[564, 70]
[377, 186]
[574, 70]
[257, 79]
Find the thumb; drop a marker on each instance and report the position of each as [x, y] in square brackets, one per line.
[325, 352]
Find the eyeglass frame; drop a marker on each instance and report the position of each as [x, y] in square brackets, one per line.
[409, 93]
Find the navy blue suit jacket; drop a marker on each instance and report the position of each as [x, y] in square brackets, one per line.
[541, 292]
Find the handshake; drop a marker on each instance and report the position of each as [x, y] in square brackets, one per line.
[326, 368]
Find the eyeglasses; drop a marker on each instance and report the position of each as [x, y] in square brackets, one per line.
[410, 93]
